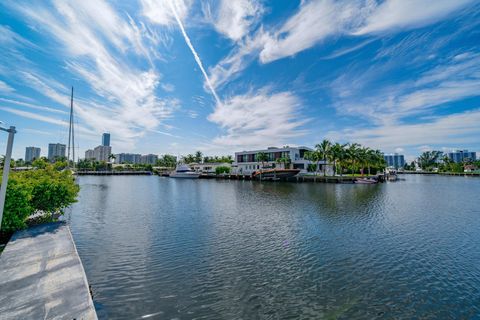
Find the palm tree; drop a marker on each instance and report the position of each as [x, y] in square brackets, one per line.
[112, 157]
[198, 156]
[285, 161]
[324, 149]
[428, 159]
[337, 155]
[262, 157]
[352, 154]
[313, 156]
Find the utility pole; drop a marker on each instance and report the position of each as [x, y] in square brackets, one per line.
[6, 169]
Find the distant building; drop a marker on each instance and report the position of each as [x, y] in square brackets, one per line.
[149, 159]
[31, 153]
[395, 160]
[56, 150]
[246, 162]
[132, 158]
[460, 155]
[106, 139]
[89, 155]
[102, 153]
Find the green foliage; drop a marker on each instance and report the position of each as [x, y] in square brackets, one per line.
[17, 207]
[262, 157]
[217, 159]
[222, 169]
[40, 163]
[429, 159]
[45, 191]
[167, 160]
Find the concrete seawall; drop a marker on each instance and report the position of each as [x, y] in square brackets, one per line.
[42, 276]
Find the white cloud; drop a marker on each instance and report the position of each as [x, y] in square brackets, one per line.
[235, 62]
[5, 88]
[315, 21]
[458, 129]
[234, 19]
[318, 20]
[160, 11]
[98, 43]
[407, 14]
[168, 87]
[257, 120]
[454, 80]
[33, 106]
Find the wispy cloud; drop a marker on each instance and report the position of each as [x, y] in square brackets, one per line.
[233, 19]
[33, 106]
[5, 88]
[160, 11]
[456, 129]
[98, 42]
[317, 21]
[258, 119]
[408, 14]
[456, 79]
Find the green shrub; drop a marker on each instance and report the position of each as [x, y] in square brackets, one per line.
[220, 170]
[17, 207]
[45, 191]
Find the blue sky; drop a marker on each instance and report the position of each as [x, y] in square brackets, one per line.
[175, 76]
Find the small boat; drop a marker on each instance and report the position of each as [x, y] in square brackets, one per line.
[184, 171]
[366, 181]
[275, 174]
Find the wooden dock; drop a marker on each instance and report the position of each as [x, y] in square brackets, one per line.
[42, 276]
[300, 178]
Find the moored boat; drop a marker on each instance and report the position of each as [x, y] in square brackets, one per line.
[275, 174]
[184, 171]
[366, 181]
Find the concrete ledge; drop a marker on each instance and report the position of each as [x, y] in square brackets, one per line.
[42, 276]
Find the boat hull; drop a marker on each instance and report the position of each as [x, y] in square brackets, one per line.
[185, 175]
[365, 181]
[275, 174]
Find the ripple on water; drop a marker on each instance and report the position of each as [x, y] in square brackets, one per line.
[163, 248]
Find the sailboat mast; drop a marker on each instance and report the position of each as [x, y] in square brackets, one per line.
[71, 137]
[73, 132]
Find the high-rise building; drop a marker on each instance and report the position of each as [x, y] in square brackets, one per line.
[89, 155]
[132, 158]
[460, 155]
[149, 159]
[106, 139]
[31, 153]
[56, 150]
[102, 153]
[394, 160]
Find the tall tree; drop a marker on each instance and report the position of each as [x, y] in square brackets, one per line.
[324, 150]
[262, 157]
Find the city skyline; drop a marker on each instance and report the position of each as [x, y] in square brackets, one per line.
[175, 77]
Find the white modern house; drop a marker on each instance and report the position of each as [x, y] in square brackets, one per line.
[246, 162]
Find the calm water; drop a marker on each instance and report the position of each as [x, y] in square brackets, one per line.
[162, 248]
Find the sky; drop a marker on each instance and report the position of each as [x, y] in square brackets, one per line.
[176, 76]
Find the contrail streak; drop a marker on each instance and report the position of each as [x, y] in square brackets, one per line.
[195, 55]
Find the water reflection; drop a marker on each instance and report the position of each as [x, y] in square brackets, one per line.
[244, 249]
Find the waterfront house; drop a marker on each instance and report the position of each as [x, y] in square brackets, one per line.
[247, 162]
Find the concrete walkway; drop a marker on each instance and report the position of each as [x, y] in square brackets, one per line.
[42, 277]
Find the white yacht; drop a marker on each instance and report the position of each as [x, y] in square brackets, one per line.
[183, 171]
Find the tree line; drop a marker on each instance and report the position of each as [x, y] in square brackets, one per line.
[349, 157]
